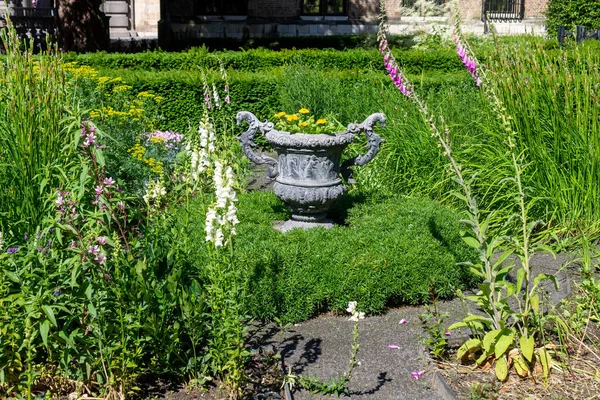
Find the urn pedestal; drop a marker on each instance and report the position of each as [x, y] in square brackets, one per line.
[308, 173]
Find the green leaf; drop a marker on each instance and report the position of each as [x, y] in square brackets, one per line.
[489, 339]
[471, 242]
[12, 276]
[503, 342]
[501, 369]
[140, 267]
[44, 329]
[546, 361]
[527, 345]
[457, 325]
[467, 347]
[503, 257]
[543, 277]
[50, 314]
[520, 278]
[535, 303]
[521, 366]
[92, 310]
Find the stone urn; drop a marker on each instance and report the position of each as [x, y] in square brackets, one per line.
[308, 174]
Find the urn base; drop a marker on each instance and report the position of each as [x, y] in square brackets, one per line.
[285, 226]
[308, 204]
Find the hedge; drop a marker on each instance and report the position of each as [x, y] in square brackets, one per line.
[256, 92]
[571, 13]
[413, 61]
[391, 252]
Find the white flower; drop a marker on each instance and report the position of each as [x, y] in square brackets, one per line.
[351, 307]
[155, 191]
[221, 218]
[219, 238]
[216, 96]
[1, 240]
[356, 315]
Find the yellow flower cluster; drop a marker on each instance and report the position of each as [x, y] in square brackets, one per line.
[138, 151]
[121, 88]
[302, 121]
[155, 166]
[135, 112]
[83, 71]
[151, 96]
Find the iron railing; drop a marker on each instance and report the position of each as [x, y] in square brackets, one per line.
[503, 10]
[32, 22]
[582, 33]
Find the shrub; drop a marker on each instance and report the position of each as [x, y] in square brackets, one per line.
[571, 13]
[264, 93]
[379, 258]
[416, 61]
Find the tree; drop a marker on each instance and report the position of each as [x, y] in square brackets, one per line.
[82, 26]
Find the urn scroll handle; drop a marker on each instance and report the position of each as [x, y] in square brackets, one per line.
[247, 140]
[374, 142]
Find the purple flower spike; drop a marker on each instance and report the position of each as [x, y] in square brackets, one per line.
[12, 250]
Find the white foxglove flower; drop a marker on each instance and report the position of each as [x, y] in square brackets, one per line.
[356, 315]
[216, 96]
[221, 218]
[1, 240]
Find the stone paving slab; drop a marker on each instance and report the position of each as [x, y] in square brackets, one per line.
[321, 346]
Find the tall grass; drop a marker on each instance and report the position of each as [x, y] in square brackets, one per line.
[554, 102]
[35, 127]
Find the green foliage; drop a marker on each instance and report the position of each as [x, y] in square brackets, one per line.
[571, 13]
[433, 323]
[379, 259]
[38, 123]
[415, 61]
[552, 100]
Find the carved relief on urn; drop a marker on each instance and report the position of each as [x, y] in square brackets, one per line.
[309, 172]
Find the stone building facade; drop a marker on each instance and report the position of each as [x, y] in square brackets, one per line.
[182, 20]
[242, 19]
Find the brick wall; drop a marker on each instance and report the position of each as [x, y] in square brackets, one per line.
[535, 8]
[273, 8]
[357, 9]
[470, 9]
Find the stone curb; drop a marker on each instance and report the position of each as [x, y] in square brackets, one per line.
[442, 387]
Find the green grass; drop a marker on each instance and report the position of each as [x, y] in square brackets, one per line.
[389, 253]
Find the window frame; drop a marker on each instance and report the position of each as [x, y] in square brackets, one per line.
[323, 10]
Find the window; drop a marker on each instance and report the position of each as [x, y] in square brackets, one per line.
[222, 7]
[324, 7]
[411, 3]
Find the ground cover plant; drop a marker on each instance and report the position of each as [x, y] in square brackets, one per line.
[294, 276]
[125, 261]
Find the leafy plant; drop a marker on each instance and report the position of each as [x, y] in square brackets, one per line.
[571, 13]
[39, 119]
[433, 323]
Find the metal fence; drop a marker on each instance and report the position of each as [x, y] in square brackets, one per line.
[503, 10]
